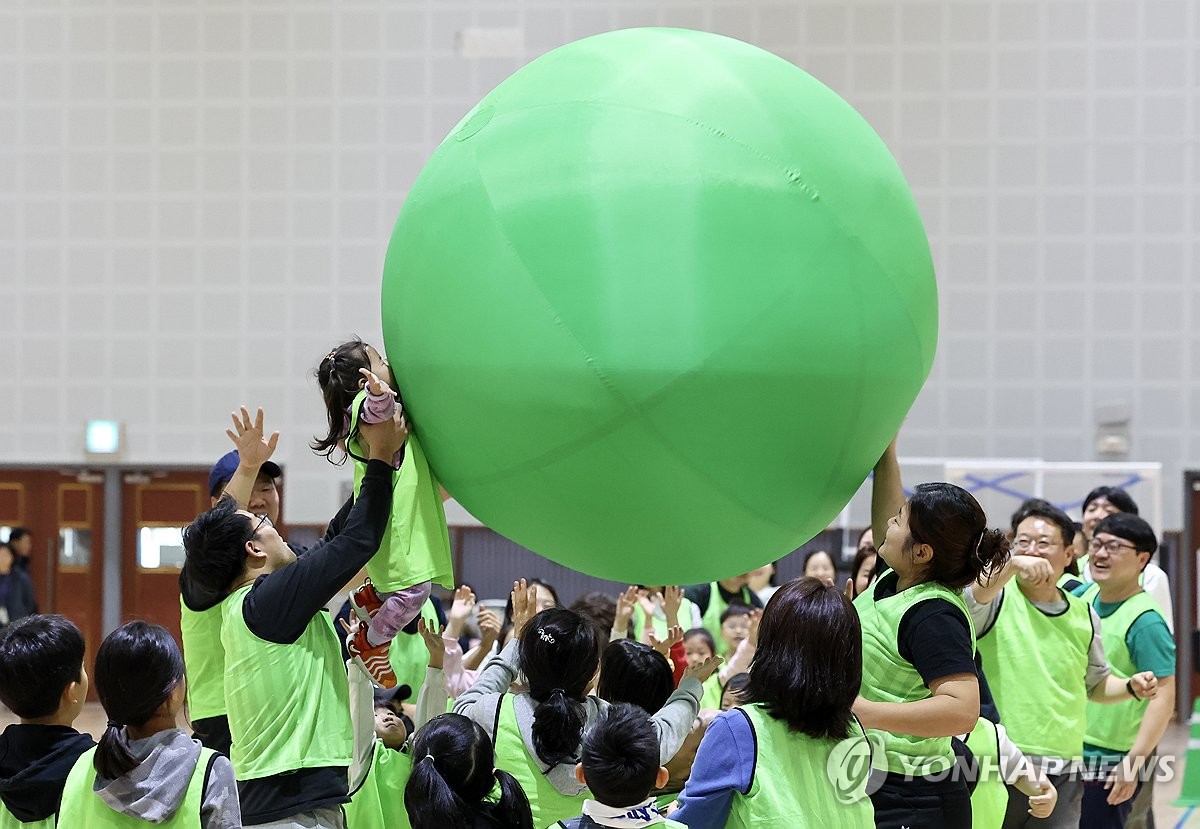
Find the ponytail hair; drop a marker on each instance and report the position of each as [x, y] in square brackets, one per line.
[559, 655]
[339, 379]
[452, 775]
[138, 666]
[950, 520]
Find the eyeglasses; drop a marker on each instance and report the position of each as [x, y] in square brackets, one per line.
[263, 521]
[1112, 546]
[1042, 545]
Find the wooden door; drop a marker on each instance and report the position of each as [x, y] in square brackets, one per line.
[156, 507]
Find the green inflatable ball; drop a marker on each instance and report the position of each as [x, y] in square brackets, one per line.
[657, 304]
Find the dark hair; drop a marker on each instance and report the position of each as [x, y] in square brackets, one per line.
[1041, 508]
[508, 608]
[950, 520]
[860, 558]
[1115, 495]
[1130, 527]
[214, 548]
[340, 381]
[634, 672]
[17, 533]
[138, 665]
[808, 666]
[598, 606]
[559, 653]
[813, 553]
[702, 633]
[452, 776]
[735, 610]
[737, 685]
[39, 657]
[620, 756]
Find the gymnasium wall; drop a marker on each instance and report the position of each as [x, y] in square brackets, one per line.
[195, 200]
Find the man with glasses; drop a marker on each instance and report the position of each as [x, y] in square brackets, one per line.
[256, 488]
[286, 693]
[1043, 658]
[1120, 740]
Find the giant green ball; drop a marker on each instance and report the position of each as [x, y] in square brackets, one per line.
[657, 304]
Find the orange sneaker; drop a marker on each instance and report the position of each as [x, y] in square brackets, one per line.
[373, 661]
[365, 601]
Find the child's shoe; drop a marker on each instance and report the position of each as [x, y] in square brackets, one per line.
[365, 601]
[373, 661]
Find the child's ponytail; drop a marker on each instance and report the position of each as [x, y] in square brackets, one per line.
[340, 381]
[430, 801]
[559, 655]
[138, 666]
[512, 810]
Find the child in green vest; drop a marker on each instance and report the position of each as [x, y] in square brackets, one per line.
[771, 761]
[357, 386]
[455, 780]
[1120, 739]
[146, 771]
[698, 645]
[712, 599]
[538, 733]
[635, 673]
[43, 682]
[920, 687]
[1031, 630]
[619, 765]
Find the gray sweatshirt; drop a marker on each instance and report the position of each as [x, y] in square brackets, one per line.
[479, 702]
[155, 789]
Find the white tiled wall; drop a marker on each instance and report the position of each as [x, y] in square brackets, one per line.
[195, 199]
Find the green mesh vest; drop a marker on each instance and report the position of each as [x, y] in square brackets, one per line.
[888, 677]
[1036, 666]
[791, 788]
[712, 693]
[204, 658]
[711, 619]
[7, 821]
[659, 626]
[548, 803]
[408, 655]
[379, 802]
[416, 544]
[83, 809]
[989, 801]
[289, 705]
[1115, 726]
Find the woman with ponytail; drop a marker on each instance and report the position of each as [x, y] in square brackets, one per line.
[453, 776]
[919, 685]
[538, 733]
[145, 770]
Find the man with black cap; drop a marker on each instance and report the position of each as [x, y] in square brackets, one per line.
[203, 655]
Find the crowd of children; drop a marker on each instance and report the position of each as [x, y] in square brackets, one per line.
[960, 677]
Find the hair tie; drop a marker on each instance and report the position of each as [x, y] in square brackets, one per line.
[554, 691]
[430, 758]
[112, 724]
[545, 637]
[979, 544]
[329, 357]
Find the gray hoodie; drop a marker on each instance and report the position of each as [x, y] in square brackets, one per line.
[155, 789]
[479, 702]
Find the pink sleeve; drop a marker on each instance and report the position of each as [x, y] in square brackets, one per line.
[377, 408]
[457, 679]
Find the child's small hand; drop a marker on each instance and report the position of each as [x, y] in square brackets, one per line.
[375, 386]
[460, 611]
[674, 637]
[703, 670]
[524, 604]
[247, 436]
[1041, 805]
[489, 625]
[646, 602]
[626, 602]
[433, 643]
[752, 636]
[672, 600]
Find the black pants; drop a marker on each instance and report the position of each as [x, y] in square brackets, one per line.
[921, 802]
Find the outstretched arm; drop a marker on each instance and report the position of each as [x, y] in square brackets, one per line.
[887, 493]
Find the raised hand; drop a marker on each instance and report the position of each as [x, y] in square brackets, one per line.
[672, 601]
[433, 643]
[247, 436]
[674, 637]
[460, 611]
[703, 670]
[375, 386]
[524, 604]
[626, 602]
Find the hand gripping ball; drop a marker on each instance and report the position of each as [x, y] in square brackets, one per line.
[657, 304]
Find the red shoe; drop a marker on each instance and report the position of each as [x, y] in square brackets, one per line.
[373, 661]
[365, 601]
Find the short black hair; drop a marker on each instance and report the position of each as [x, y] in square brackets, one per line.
[17, 533]
[1131, 528]
[736, 610]
[620, 756]
[634, 672]
[39, 657]
[1041, 508]
[1115, 495]
[215, 554]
